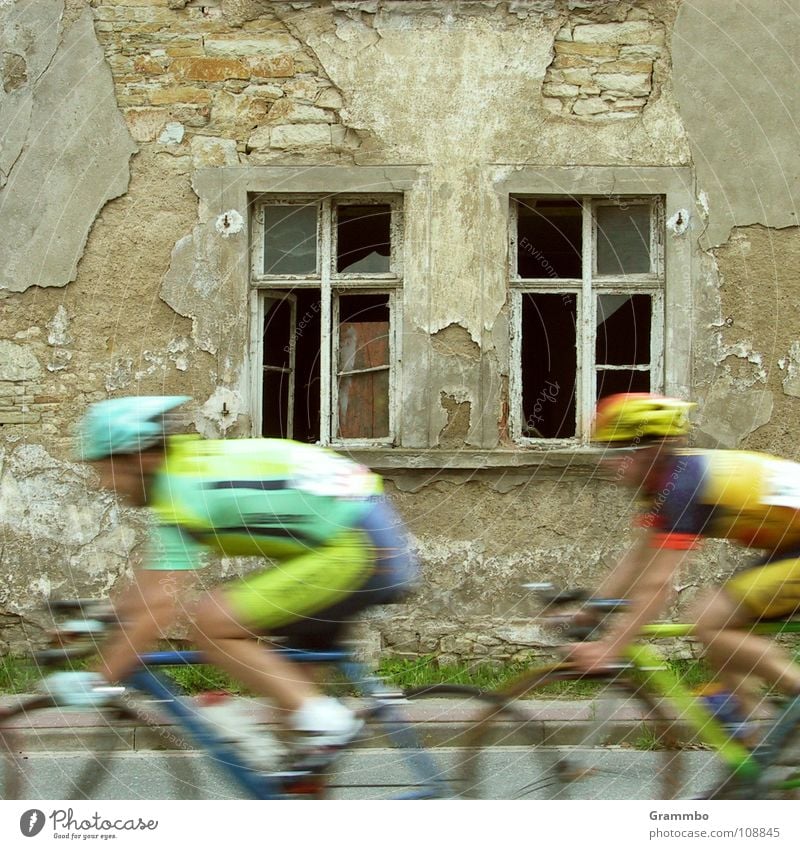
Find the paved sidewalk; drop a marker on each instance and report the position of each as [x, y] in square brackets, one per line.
[439, 722]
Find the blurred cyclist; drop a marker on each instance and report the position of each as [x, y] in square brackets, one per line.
[747, 497]
[337, 545]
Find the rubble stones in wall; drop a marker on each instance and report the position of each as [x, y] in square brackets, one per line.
[19, 373]
[256, 87]
[603, 72]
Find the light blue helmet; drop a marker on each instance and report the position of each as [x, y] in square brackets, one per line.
[124, 425]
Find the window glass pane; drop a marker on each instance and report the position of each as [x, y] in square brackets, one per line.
[548, 365]
[549, 239]
[622, 380]
[623, 330]
[623, 239]
[363, 369]
[363, 239]
[290, 239]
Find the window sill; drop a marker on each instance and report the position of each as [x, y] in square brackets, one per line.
[561, 460]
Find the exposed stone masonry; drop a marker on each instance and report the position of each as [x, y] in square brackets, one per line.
[603, 72]
[187, 79]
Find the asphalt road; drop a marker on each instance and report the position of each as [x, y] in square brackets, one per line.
[503, 773]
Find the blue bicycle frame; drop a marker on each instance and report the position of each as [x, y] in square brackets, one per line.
[263, 785]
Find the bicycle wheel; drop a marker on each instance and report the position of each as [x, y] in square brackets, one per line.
[618, 748]
[780, 778]
[47, 752]
[448, 716]
[411, 747]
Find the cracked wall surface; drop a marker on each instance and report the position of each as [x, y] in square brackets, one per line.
[59, 120]
[129, 131]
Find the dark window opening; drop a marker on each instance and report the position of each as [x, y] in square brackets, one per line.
[363, 239]
[549, 366]
[623, 330]
[279, 319]
[549, 239]
[291, 391]
[363, 366]
[621, 380]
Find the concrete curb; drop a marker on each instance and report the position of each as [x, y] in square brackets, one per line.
[438, 722]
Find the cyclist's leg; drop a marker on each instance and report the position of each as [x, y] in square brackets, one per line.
[149, 605]
[232, 616]
[310, 598]
[724, 616]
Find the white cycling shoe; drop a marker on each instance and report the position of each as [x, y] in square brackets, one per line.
[324, 723]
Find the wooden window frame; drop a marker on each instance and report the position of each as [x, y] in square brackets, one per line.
[586, 289]
[330, 284]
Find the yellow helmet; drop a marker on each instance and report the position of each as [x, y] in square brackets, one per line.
[631, 416]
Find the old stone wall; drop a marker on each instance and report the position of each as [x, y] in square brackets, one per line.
[121, 269]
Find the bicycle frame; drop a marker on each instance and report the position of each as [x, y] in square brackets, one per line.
[264, 785]
[743, 762]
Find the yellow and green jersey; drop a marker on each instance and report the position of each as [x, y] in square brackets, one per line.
[270, 497]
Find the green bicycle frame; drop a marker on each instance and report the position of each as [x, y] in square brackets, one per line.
[649, 666]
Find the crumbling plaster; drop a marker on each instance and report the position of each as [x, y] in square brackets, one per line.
[64, 149]
[453, 92]
[732, 66]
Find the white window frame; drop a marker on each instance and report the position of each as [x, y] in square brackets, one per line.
[586, 289]
[330, 284]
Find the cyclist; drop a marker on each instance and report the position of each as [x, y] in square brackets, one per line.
[750, 498]
[337, 545]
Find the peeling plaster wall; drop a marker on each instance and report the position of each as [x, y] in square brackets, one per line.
[126, 275]
[732, 63]
[59, 122]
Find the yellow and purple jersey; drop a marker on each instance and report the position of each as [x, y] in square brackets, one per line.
[744, 496]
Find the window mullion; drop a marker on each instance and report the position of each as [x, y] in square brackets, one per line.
[326, 363]
[586, 336]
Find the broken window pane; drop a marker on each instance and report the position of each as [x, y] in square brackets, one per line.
[363, 367]
[290, 239]
[291, 396]
[623, 330]
[621, 380]
[279, 320]
[549, 239]
[549, 365]
[363, 239]
[623, 239]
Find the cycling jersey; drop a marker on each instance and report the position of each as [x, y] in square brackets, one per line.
[336, 544]
[269, 497]
[748, 497]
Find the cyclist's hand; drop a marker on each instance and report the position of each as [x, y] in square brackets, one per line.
[592, 657]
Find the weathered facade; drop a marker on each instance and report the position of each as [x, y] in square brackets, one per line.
[156, 155]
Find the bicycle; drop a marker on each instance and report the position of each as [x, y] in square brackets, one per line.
[409, 771]
[599, 755]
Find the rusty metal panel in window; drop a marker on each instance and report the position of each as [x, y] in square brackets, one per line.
[364, 380]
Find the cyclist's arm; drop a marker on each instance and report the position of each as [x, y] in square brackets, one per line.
[648, 595]
[622, 578]
[156, 599]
